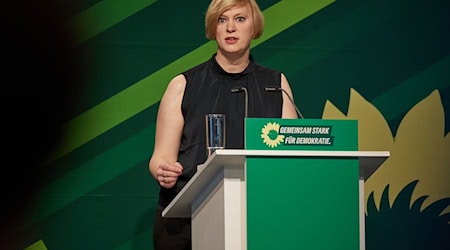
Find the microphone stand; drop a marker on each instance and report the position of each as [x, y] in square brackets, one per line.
[276, 89]
[244, 89]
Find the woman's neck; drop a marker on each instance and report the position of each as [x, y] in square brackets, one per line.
[233, 63]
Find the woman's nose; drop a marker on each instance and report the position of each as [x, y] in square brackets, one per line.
[231, 27]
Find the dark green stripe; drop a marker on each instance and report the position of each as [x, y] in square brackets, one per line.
[94, 173]
[436, 77]
[104, 15]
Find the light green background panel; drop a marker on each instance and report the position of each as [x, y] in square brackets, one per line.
[302, 203]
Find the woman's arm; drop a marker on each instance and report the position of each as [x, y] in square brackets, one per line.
[289, 110]
[163, 164]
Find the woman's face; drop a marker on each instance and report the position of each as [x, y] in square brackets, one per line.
[234, 31]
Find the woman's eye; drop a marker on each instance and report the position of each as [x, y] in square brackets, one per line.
[221, 20]
[240, 19]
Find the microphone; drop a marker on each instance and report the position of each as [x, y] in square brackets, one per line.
[244, 89]
[276, 89]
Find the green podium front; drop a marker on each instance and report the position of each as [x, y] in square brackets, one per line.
[297, 185]
[302, 202]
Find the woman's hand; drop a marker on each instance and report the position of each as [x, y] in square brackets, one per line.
[167, 174]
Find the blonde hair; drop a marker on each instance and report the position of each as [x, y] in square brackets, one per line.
[218, 7]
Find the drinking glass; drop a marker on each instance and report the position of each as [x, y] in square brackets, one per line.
[215, 132]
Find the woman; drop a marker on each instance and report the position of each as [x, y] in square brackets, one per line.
[206, 88]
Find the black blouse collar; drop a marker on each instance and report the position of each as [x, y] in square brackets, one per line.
[249, 69]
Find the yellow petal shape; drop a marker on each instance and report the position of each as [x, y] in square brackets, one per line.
[420, 150]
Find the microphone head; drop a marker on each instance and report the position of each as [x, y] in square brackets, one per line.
[272, 89]
[236, 89]
[276, 89]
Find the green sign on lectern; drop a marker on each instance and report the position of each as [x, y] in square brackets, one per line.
[301, 134]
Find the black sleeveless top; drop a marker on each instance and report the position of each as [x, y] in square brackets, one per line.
[208, 90]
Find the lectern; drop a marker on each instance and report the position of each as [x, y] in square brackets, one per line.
[305, 190]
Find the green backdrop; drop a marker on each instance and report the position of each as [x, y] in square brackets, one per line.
[100, 194]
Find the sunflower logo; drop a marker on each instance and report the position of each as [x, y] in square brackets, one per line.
[270, 135]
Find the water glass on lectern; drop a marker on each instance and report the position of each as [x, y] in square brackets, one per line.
[215, 132]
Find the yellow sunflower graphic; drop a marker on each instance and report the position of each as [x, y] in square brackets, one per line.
[270, 135]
